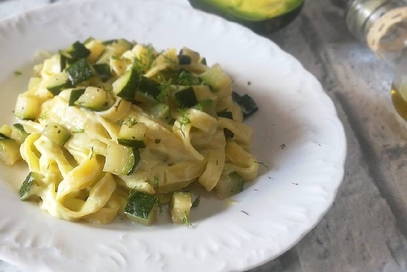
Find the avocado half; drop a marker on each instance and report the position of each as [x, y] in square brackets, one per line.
[262, 16]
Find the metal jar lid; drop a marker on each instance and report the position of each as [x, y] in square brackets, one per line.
[361, 14]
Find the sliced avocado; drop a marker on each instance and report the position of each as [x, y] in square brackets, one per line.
[262, 16]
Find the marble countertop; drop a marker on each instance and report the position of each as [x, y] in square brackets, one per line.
[366, 228]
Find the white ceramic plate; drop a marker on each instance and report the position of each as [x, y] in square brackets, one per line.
[298, 135]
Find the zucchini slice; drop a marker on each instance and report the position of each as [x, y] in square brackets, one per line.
[31, 179]
[27, 107]
[184, 60]
[96, 49]
[9, 151]
[126, 85]
[229, 185]
[149, 87]
[80, 71]
[18, 133]
[141, 208]
[216, 78]
[56, 133]
[160, 111]
[114, 48]
[180, 206]
[74, 96]
[207, 105]
[120, 159]
[103, 71]
[95, 99]
[246, 103]
[78, 51]
[5, 132]
[202, 60]
[186, 98]
[58, 83]
[192, 55]
[132, 135]
[225, 114]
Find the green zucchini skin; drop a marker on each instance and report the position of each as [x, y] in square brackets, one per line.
[126, 86]
[229, 185]
[103, 71]
[75, 94]
[80, 71]
[141, 208]
[56, 133]
[262, 27]
[132, 135]
[246, 103]
[121, 160]
[60, 82]
[30, 180]
[186, 98]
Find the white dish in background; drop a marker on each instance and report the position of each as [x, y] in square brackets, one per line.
[297, 134]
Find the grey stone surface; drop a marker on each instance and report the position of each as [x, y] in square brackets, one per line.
[366, 228]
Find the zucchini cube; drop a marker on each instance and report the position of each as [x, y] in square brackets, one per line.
[141, 208]
[80, 71]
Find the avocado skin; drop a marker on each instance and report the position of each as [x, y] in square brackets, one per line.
[262, 27]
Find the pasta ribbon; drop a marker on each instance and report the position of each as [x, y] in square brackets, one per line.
[241, 161]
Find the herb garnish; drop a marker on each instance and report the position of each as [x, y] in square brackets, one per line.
[262, 164]
[186, 221]
[244, 212]
[184, 119]
[143, 62]
[186, 79]
[129, 121]
[156, 182]
[78, 130]
[196, 202]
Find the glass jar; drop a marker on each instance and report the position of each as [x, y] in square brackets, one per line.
[382, 24]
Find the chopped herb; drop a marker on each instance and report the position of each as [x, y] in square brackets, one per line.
[196, 202]
[164, 90]
[130, 121]
[282, 146]
[17, 73]
[160, 208]
[78, 130]
[44, 116]
[262, 164]
[183, 119]
[144, 62]
[244, 212]
[118, 104]
[186, 221]
[186, 79]
[156, 182]
[114, 57]
[91, 153]
[171, 61]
